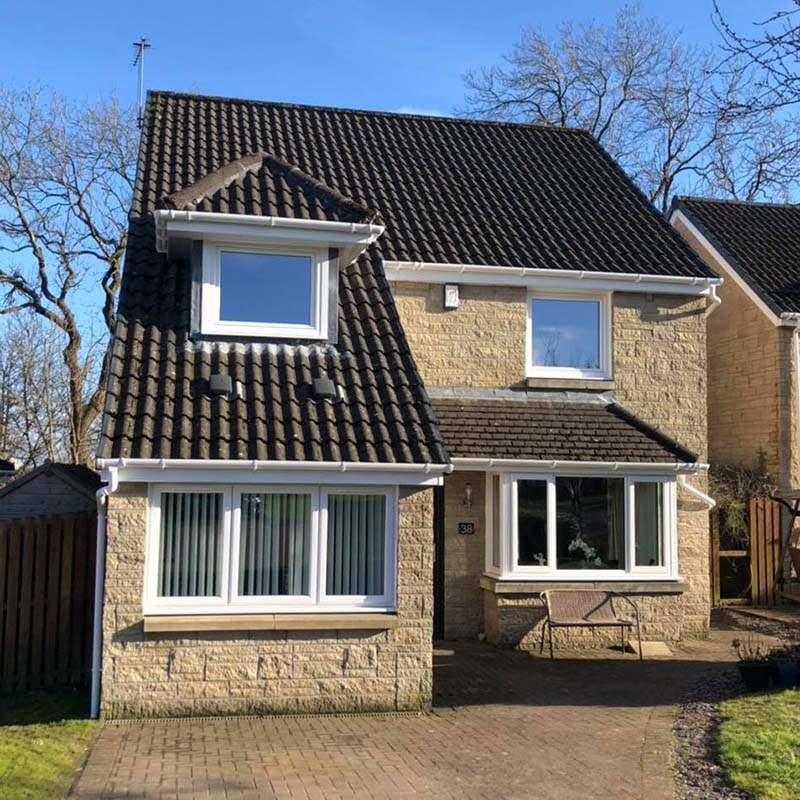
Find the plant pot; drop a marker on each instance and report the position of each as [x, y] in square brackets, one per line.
[785, 672]
[755, 675]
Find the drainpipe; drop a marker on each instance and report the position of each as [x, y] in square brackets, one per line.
[693, 490]
[99, 579]
[716, 300]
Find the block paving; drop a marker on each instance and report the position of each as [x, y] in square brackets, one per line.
[505, 724]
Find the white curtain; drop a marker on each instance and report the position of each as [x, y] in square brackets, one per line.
[191, 544]
[356, 544]
[274, 544]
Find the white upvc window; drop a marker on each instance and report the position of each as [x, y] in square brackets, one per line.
[581, 527]
[569, 335]
[260, 549]
[253, 290]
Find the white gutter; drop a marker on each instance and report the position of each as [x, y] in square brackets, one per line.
[613, 466]
[476, 273]
[255, 465]
[173, 221]
[709, 501]
[99, 585]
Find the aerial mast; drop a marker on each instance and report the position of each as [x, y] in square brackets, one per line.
[138, 61]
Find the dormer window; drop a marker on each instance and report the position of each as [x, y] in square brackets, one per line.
[569, 336]
[252, 290]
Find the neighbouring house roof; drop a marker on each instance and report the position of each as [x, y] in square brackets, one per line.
[447, 190]
[561, 430]
[760, 242]
[79, 477]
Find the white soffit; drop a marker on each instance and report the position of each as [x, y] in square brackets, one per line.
[351, 238]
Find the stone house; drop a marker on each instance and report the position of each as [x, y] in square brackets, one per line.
[754, 335]
[379, 378]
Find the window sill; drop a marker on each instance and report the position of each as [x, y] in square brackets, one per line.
[194, 623]
[627, 585]
[583, 384]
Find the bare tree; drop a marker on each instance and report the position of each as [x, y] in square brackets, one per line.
[664, 110]
[34, 391]
[66, 176]
[774, 47]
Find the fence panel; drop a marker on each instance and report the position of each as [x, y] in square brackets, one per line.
[46, 587]
[765, 549]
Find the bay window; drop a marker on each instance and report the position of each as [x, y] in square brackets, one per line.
[265, 549]
[580, 526]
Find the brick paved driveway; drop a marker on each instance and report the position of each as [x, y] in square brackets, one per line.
[505, 725]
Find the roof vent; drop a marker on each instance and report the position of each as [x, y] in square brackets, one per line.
[324, 389]
[220, 385]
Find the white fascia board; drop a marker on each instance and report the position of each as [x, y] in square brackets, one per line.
[586, 467]
[176, 470]
[723, 265]
[490, 275]
[352, 238]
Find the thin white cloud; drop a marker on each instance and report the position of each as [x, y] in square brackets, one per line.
[425, 112]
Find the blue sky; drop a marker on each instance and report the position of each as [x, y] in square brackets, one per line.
[386, 55]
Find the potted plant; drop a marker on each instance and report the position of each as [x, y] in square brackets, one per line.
[754, 664]
[785, 664]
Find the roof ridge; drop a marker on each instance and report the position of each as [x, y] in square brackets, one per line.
[732, 201]
[573, 130]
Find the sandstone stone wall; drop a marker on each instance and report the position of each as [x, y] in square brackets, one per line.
[659, 373]
[157, 675]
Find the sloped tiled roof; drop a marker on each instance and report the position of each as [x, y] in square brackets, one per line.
[760, 241]
[448, 190]
[536, 430]
[264, 185]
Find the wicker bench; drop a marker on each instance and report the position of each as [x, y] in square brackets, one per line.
[579, 608]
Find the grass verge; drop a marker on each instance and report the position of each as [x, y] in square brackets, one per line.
[43, 737]
[759, 744]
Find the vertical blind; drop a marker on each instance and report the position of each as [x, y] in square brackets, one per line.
[190, 561]
[649, 519]
[356, 535]
[274, 544]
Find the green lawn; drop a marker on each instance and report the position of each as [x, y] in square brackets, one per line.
[43, 737]
[759, 744]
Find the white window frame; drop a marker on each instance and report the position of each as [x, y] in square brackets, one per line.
[229, 601]
[210, 322]
[510, 569]
[604, 372]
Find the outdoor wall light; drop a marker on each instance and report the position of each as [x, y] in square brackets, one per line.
[450, 299]
[468, 496]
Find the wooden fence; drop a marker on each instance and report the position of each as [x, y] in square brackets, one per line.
[46, 601]
[759, 554]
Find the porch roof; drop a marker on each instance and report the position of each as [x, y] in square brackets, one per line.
[558, 430]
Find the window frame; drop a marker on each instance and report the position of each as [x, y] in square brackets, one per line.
[604, 371]
[229, 601]
[210, 300]
[509, 545]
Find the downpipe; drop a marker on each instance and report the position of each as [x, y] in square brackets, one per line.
[99, 586]
[695, 492]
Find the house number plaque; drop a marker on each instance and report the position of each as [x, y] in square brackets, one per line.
[466, 528]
